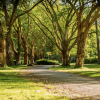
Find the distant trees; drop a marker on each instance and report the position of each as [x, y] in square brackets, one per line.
[59, 25]
[9, 9]
[65, 23]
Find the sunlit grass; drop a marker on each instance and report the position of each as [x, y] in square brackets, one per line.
[15, 67]
[14, 87]
[89, 70]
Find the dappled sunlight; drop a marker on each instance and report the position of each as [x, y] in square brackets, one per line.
[14, 87]
[41, 83]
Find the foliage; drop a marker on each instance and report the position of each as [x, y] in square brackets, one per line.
[47, 62]
[91, 45]
[58, 22]
[90, 60]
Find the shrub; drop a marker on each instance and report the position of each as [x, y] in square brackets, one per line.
[90, 60]
[46, 62]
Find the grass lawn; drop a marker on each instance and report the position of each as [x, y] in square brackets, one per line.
[14, 87]
[89, 70]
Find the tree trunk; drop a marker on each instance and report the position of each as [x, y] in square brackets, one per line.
[65, 56]
[31, 59]
[61, 55]
[25, 54]
[18, 61]
[66, 59]
[2, 53]
[31, 56]
[97, 37]
[18, 55]
[25, 46]
[2, 48]
[80, 50]
[79, 61]
[9, 51]
[18, 58]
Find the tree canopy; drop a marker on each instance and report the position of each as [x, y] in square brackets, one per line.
[61, 27]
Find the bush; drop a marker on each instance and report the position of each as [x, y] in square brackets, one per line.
[46, 62]
[90, 60]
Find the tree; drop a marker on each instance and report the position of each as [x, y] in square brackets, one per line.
[2, 47]
[97, 37]
[32, 39]
[10, 18]
[40, 46]
[84, 23]
[17, 53]
[60, 28]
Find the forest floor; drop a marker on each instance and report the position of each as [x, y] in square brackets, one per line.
[64, 83]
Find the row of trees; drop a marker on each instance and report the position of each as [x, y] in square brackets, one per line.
[64, 22]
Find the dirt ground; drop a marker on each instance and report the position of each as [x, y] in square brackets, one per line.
[63, 83]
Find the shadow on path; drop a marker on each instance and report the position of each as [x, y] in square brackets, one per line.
[70, 84]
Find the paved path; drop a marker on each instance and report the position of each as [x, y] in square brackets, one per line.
[65, 83]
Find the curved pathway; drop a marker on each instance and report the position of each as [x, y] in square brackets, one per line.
[66, 84]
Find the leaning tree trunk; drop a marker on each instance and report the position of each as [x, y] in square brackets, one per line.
[80, 50]
[2, 48]
[61, 55]
[9, 51]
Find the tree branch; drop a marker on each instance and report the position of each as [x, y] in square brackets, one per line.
[28, 10]
[46, 34]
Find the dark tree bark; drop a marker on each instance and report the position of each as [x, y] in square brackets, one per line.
[9, 22]
[18, 56]
[2, 47]
[25, 46]
[9, 51]
[97, 37]
[31, 55]
[25, 54]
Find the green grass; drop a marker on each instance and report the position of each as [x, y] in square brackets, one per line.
[15, 87]
[18, 67]
[90, 70]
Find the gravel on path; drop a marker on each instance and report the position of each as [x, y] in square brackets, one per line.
[64, 83]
